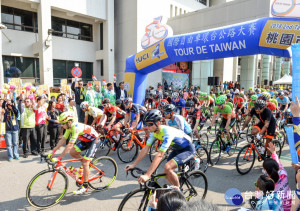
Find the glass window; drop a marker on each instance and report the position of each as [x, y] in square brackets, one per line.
[26, 65]
[59, 69]
[59, 26]
[7, 15]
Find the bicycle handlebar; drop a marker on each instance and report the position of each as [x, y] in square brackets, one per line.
[47, 160]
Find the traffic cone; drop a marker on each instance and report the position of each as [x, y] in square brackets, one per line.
[2, 143]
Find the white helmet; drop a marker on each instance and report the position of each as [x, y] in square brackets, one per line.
[237, 91]
[84, 105]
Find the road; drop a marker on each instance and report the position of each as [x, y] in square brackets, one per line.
[16, 175]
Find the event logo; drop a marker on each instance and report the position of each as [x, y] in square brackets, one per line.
[286, 8]
[233, 196]
[155, 53]
[155, 32]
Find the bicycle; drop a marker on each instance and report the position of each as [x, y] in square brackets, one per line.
[219, 145]
[193, 185]
[129, 147]
[246, 156]
[53, 182]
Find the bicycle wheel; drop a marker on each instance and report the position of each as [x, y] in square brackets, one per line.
[154, 149]
[281, 138]
[38, 192]
[103, 171]
[104, 147]
[194, 187]
[248, 135]
[135, 200]
[202, 154]
[277, 144]
[233, 145]
[204, 139]
[215, 152]
[245, 160]
[127, 150]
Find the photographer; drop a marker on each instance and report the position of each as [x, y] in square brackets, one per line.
[12, 129]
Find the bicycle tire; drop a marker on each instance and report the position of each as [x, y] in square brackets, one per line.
[140, 201]
[240, 158]
[200, 188]
[154, 149]
[248, 135]
[204, 139]
[215, 148]
[104, 147]
[278, 147]
[233, 146]
[111, 167]
[127, 152]
[281, 138]
[31, 197]
[202, 154]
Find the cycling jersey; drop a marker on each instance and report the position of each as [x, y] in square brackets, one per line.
[226, 111]
[266, 115]
[274, 101]
[239, 101]
[114, 110]
[194, 116]
[136, 109]
[94, 112]
[81, 131]
[283, 101]
[170, 137]
[180, 104]
[250, 104]
[180, 123]
[271, 106]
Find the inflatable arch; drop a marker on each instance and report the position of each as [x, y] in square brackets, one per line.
[271, 36]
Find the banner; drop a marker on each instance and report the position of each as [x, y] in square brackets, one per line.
[43, 89]
[177, 80]
[290, 136]
[296, 71]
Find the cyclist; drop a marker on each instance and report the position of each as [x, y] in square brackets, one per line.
[96, 113]
[257, 92]
[194, 116]
[212, 95]
[167, 97]
[283, 101]
[228, 120]
[267, 123]
[228, 98]
[272, 106]
[175, 120]
[86, 138]
[120, 104]
[178, 102]
[253, 98]
[181, 144]
[239, 103]
[136, 109]
[207, 100]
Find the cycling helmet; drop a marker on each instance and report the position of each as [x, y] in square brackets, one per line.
[228, 96]
[280, 93]
[220, 100]
[227, 91]
[236, 91]
[84, 105]
[189, 104]
[259, 104]
[161, 104]
[262, 97]
[118, 102]
[65, 117]
[254, 97]
[127, 100]
[105, 100]
[166, 94]
[169, 108]
[175, 95]
[153, 115]
[267, 95]
[257, 90]
[204, 94]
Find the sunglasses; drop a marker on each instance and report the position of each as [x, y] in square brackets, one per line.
[187, 108]
[174, 98]
[149, 124]
[166, 113]
[257, 109]
[105, 104]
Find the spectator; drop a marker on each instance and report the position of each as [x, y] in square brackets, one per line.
[60, 105]
[79, 98]
[52, 98]
[72, 108]
[109, 93]
[12, 129]
[230, 85]
[40, 123]
[28, 126]
[225, 85]
[159, 91]
[53, 126]
[98, 97]
[121, 93]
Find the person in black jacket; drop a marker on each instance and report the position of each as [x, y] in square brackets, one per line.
[79, 98]
[54, 126]
[121, 93]
[12, 129]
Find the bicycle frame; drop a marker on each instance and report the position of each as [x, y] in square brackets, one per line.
[135, 138]
[60, 166]
[251, 149]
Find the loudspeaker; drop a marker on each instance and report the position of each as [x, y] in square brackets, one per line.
[210, 81]
[271, 83]
[265, 82]
[216, 81]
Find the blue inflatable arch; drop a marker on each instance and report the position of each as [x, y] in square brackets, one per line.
[271, 36]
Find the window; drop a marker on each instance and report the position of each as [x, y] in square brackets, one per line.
[19, 19]
[21, 67]
[175, 11]
[101, 36]
[202, 2]
[72, 29]
[171, 11]
[62, 70]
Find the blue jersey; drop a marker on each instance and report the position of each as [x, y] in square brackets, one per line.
[180, 123]
[284, 101]
[180, 104]
[271, 93]
[170, 137]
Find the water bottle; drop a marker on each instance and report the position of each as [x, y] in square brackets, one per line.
[80, 172]
[197, 164]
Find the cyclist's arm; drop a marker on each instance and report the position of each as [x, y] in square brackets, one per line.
[215, 117]
[86, 117]
[228, 121]
[285, 108]
[155, 162]
[94, 121]
[67, 149]
[112, 121]
[136, 122]
[126, 119]
[247, 122]
[60, 143]
[265, 127]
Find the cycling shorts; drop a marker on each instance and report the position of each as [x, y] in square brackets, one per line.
[242, 110]
[224, 122]
[201, 125]
[119, 122]
[282, 107]
[182, 156]
[270, 132]
[90, 147]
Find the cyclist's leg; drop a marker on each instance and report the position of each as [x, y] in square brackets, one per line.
[77, 149]
[88, 157]
[102, 121]
[257, 128]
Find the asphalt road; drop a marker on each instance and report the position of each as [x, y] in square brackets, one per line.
[15, 176]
